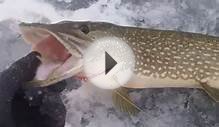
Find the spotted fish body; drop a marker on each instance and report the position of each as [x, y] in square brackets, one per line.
[164, 58]
[171, 58]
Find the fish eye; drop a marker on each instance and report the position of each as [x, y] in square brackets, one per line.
[84, 29]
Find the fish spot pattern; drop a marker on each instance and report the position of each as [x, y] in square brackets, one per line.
[174, 54]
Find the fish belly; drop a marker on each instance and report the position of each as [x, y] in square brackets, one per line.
[154, 82]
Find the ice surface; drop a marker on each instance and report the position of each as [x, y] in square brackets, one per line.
[89, 106]
[11, 45]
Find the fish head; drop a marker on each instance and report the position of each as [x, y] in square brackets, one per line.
[71, 36]
[62, 46]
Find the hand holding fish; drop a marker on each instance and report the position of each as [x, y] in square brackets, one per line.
[16, 108]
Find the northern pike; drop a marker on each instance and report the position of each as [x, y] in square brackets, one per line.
[164, 58]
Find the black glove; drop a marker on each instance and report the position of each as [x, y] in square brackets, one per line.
[33, 107]
[11, 80]
[25, 68]
[39, 106]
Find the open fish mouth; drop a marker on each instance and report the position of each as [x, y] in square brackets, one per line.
[61, 53]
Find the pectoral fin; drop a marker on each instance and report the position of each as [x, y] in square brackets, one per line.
[122, 100]
[211, 91]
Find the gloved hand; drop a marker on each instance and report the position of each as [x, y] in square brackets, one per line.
[27, 107]
[11, 80]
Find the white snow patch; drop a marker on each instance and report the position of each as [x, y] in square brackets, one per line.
[35, 11]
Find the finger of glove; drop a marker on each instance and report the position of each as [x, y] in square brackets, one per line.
[25, 68]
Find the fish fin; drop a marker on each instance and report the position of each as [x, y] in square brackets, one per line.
[122, 100]
[211, 91]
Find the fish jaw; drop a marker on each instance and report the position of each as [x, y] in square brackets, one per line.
[61, 58]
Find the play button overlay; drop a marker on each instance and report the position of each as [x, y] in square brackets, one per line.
[109, 63]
